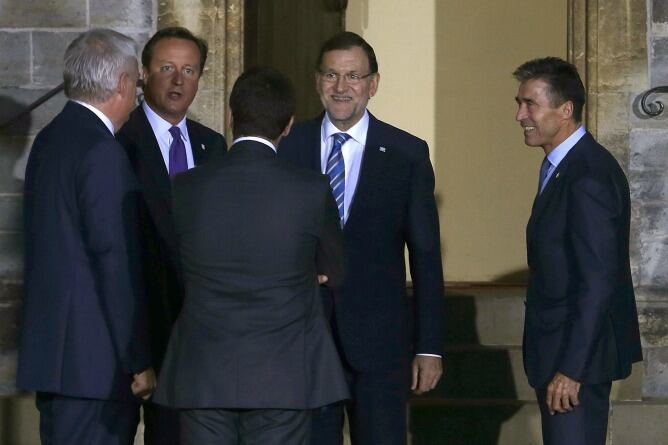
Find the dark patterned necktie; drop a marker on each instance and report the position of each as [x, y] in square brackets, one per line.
[544, 169]
[177, 153]
[336, 170]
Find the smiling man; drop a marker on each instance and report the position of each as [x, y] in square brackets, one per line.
[161, 143]
[581, 324]
[383, 183]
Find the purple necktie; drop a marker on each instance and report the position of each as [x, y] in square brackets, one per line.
[177, 153]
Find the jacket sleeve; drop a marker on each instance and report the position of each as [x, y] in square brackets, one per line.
[424, 253]
[593, 219]
[107, 195]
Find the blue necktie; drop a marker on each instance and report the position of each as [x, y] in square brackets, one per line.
[544, 170]
[177, 153]
[336, 170]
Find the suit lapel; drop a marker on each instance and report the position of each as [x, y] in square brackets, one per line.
[372, 168]
[553, 184]
[149, 150]
[196, 143]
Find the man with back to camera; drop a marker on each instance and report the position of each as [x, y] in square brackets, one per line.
[383, 183]
[84, 340]
[581, 324]
[161, 142]
[251, 353]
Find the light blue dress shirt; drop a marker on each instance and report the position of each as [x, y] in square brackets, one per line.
[560, 151]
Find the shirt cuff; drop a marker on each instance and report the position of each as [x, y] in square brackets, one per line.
[431, 355]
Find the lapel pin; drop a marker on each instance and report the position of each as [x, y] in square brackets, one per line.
[382, 149]
[203, 147]
[557, 175]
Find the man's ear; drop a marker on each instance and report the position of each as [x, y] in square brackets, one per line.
[567, 109]
[230, 120]
[125, 87]
[286, 130]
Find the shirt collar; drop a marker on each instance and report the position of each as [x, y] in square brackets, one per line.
[256, 139]
[357, 131]
[561, 150]
[103, 117]
[161, 126]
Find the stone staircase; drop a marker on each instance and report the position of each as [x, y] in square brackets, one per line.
[484, 398]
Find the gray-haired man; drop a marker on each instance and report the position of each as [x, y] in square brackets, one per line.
[84, 344]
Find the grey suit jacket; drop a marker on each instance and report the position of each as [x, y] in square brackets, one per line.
[253, 233]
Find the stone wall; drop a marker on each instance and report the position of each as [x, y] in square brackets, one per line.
[33, 38]
[648, 164]
[621, 48]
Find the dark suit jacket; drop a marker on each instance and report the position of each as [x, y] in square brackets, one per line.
[252, 333]
[581, 317]
[160, 256]
[83, 326]
[393, 207]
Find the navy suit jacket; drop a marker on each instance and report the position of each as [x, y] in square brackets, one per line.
[160, 255]
[83, 331]
[581, 317]
[393, 207]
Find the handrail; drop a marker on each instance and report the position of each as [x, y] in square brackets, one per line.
[42, 99]
[32, 106]
[653, 109]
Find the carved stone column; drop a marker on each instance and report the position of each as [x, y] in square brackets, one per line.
[221, 23]
[608, 42]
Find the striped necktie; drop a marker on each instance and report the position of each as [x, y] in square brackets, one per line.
[336, 170]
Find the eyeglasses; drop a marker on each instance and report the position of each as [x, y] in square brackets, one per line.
[349, 78]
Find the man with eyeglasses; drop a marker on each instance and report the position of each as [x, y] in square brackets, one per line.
[383, 183]
[162, 143]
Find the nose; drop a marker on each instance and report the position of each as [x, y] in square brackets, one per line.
[521, 112]
[177, 77]
[341, 85]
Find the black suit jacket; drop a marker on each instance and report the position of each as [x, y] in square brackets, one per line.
[393, 207]
[160, 256]
[252, 333]
[581, 317]
[83, 329]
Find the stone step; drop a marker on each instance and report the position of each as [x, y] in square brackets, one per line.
[485, 372]
[512, 422]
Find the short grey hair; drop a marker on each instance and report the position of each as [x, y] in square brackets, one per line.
[94, 62]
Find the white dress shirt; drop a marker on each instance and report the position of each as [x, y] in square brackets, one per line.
[161, 131]
[352, 151]
[256, 139]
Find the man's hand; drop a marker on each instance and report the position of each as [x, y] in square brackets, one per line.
[562, 394]
[322, 279]
[143, 384]
[427, 371]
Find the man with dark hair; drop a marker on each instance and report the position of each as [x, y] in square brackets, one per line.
[84, 343]
[383, 183]
[581, 324]
[251, 353]
[161, 142]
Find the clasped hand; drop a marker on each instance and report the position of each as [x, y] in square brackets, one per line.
[562, 394]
